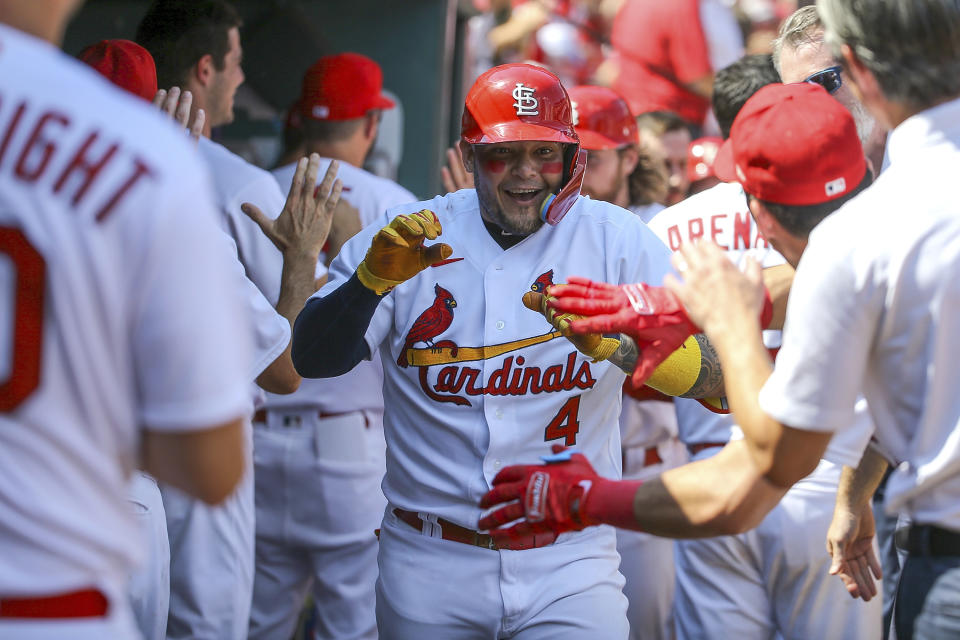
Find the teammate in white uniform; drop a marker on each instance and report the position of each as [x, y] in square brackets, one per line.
[322, 447]
[473, 381]
[196, 46]
[619, 173]
[124, 336]
[773, 579]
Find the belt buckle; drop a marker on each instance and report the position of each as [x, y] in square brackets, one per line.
[292, 421]
[491, 544]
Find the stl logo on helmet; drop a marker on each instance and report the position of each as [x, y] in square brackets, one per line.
[525, 103]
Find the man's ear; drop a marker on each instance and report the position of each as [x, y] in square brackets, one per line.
[766, 223]
[629, 158]
[371, 124]
[466, 154]
[203, 70]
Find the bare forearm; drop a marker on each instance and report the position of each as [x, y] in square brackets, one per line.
[709, 377]
[296, 285]
[857, 486]
[721, 495]
[778, 281]
[625, 357]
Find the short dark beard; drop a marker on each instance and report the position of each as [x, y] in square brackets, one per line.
[493, 214]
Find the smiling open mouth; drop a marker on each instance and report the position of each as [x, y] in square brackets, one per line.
[525, 196]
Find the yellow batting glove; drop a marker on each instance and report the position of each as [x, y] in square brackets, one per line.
[397, 252]
[595, 345]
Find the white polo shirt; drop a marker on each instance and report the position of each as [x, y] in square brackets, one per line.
[875, 306]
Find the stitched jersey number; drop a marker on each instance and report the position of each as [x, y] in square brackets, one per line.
[565, 423]
[23, 376]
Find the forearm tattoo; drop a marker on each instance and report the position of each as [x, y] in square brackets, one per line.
[625, 357]
[709, 383]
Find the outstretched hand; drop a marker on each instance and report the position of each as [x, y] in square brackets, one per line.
[303, 224]
[652, 316]
[177, 105]
[714, 291]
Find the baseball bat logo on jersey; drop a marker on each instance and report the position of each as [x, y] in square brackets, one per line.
[455, 382]
[430, 324]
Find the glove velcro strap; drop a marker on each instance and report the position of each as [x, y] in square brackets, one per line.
[378, 285]
[679, 372]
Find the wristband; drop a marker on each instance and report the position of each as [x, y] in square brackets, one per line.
[380, 286]
[608, 502]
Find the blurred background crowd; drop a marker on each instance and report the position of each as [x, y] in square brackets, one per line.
[658, 55]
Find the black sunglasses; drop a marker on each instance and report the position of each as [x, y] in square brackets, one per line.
[829, 79]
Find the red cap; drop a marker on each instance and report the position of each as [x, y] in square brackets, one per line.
[701, 154]
[602, 118]
[342, 87]
[126, 64]
[793, 144]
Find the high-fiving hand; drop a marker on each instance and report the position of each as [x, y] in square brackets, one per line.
[303, 225]
[652, 316]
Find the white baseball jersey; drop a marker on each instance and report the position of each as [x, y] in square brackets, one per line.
[237, 181]
[721, 214]
[123, 313]
[771, 581]
[359, 388]
[474, 381]
[875, 306]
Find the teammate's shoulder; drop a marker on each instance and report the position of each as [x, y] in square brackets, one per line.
[232, 173]
[721, 198]
[378, 183]
[229, 161]
[451, 206]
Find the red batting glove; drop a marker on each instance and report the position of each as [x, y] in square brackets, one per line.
[652, 316]
[563, 495]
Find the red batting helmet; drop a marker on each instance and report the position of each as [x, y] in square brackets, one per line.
[520, 102]
[602, 118]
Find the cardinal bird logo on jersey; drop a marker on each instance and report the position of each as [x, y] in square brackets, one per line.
[431, 323]
[543, 281]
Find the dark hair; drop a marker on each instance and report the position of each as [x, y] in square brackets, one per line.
[733, 85]
[800, 220]
[648, 181]
[661, 122]
[180, 32]
[330, 130]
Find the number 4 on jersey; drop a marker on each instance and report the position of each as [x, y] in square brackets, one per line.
[565, 424]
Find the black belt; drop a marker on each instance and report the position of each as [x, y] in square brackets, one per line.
[928, 540]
